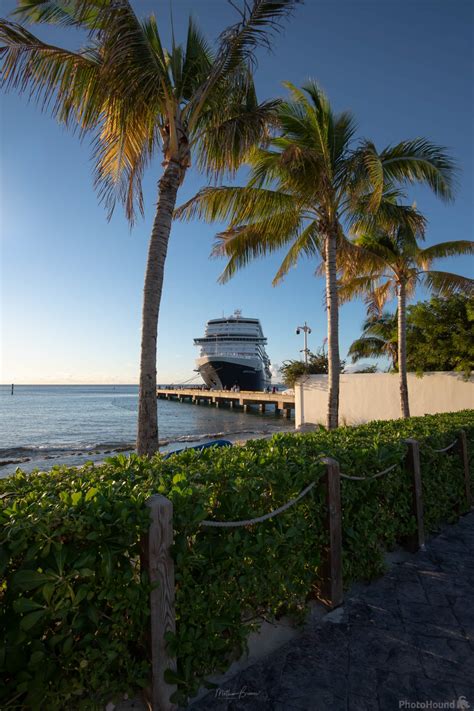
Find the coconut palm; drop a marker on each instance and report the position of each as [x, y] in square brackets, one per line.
[137, 99]
[378, 339]
[390, 264]
[309, 184]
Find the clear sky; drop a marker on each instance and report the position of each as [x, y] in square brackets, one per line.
[71, 282]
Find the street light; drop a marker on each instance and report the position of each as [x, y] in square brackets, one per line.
[306, 329]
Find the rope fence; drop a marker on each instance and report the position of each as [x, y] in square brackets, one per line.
[157, 543]
[281, 509]
[259, 519]
[373, 476]
[445, 449]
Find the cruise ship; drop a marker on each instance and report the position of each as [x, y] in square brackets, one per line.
[233, 354]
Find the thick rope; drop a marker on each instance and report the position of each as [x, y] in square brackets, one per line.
[259, 519]
[7, 494]
[368, 478]
[445, 449]
[265, 517]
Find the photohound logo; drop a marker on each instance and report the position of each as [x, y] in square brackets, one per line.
[461, 704]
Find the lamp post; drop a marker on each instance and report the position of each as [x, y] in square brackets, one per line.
[306, 329]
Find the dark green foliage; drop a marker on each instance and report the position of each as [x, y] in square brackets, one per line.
[440, 335]
[318, 364]
[75, 605]
[367, 369]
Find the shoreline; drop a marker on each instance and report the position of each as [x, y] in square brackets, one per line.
[9, 463]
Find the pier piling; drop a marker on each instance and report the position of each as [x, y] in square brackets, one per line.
[283, 403]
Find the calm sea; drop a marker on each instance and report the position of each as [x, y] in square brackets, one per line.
[43, 425]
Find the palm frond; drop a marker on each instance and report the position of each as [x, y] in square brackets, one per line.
[244, 243]
[309, 121]
[367, 347]
[230, 134]
[308, 243]
[66, 13]
[265, 167]
[137, 72]
[259, 22]
[135, 63]
[420, 160]
[446, 249]
[446, 283]
[66, 82]
[122, 150]
[383, 325]
[379, 295]
[365, 256]
[349, 289]
[343, 132]
[198, 60]
[373, 173]
[390, 215]
[237, 205]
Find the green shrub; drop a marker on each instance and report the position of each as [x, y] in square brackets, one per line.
[75, 603]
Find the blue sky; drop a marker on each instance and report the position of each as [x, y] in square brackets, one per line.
[71, 282]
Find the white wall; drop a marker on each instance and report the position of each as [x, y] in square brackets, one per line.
[376, 396]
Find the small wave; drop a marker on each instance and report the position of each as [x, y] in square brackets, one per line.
[44, 450]
[216, 435]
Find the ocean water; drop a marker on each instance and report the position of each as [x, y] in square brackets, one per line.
[44, 425]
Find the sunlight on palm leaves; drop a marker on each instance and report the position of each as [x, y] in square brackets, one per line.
[385, 260]
[135, 98]
[308, 186]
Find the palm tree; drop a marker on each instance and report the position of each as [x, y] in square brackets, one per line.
[378, 339]
[136, 99]
[305, 187]
[390, 264]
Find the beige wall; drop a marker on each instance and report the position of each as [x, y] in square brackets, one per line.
[375, 396]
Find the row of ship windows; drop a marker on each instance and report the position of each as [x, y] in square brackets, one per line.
[223, 337]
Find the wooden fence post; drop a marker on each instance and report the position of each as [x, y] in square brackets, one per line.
[462, 446]
[159, 563]
[331, 589]
[413, 466]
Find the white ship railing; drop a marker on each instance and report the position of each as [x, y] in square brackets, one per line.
[227, 354]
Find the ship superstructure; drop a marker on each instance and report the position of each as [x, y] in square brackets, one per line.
[233, 354]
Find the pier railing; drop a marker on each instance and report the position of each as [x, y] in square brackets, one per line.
[283, 402]
[157, 545]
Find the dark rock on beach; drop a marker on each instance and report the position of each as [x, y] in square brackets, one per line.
[4, 462]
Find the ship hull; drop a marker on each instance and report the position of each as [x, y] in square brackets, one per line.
[225, 374]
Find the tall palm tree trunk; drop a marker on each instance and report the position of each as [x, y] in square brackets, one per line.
[147, 436]
[402, 349]
[334, 363]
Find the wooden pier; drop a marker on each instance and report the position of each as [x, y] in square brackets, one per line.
[281, 402]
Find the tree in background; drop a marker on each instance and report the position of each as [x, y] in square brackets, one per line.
[390, 264]
[379, 339]
[318, 364]
[137, 100]
[441, 335]
[367, 369]
[306, 187]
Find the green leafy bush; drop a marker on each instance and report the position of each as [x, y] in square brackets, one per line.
[75, 602]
